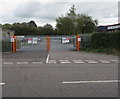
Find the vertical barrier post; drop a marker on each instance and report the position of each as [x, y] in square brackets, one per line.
[13, 44]
[48, 43]
[78, 39]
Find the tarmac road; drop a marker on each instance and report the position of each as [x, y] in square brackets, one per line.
[59, 73]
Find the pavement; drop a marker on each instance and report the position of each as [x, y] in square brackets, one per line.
[62, 72]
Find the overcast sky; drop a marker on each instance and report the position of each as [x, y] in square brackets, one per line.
[46, 11]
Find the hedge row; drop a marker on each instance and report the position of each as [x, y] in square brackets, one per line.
[6, 45]
[108, 40]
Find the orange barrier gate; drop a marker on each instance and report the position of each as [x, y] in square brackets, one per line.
[78, 39]
[48, 43]
[13, 40]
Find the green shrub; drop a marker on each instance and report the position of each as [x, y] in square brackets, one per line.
[106, 40]
[6, 45]
[85, 41]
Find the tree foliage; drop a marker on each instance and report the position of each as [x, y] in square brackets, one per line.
[70, 24]
[73, 23]
[29, 28]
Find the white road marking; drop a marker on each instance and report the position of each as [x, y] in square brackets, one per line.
[99, 81]
[91, 61]
[116, 61]
[37, 62]
[22, 62]
[2, 84]
[47, 58]
[78, 61]
[104, 61]
[52, 62]
[65, 62]
[8, 63]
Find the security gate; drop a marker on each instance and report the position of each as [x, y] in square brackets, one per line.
[62, 43]
[48, 43]
[31, 43]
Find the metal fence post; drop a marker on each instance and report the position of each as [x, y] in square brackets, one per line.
[48, 43]
[13, 44]
[78, 39]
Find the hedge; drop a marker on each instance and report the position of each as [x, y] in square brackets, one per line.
[108, 40]
[6, 45]
[85, 40]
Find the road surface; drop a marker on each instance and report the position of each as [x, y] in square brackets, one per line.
[62, 72]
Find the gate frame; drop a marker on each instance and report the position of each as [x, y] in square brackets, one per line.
[78, 39]
[48, 43]
[13, 40]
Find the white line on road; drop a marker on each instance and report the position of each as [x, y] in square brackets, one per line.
[47, 58]
[65, 62]
[22, 62]
[52, 62]
[104, 61]
[116, 61]
[91, 61]
[2, 84]
[99, 81]
[8, 63]
[79, 62]
[37, 62]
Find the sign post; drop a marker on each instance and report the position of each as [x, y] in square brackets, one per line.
[78, 39]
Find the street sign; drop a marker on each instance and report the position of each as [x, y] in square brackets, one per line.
[12, 40]
[29, 40]
[34, 40]
[79, 39]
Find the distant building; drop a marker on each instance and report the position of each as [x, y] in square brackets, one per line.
[112, 28]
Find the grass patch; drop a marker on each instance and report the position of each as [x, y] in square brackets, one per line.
[102, 50]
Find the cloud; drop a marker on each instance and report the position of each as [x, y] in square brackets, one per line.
[46, 12]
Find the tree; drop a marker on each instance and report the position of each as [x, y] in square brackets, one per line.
[6, 26]
[85, 24]
[48, 29]
[32, 24]
[65, 25]
[73, 23]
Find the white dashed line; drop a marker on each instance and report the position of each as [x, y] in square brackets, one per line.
[37, 62]
[52, 61]
[116, 61]
[8, 63]
[99, 81]
[78, 61]
[22, 63]
[104, 61]
[91, 61]
[65, 62]
[2, 84]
